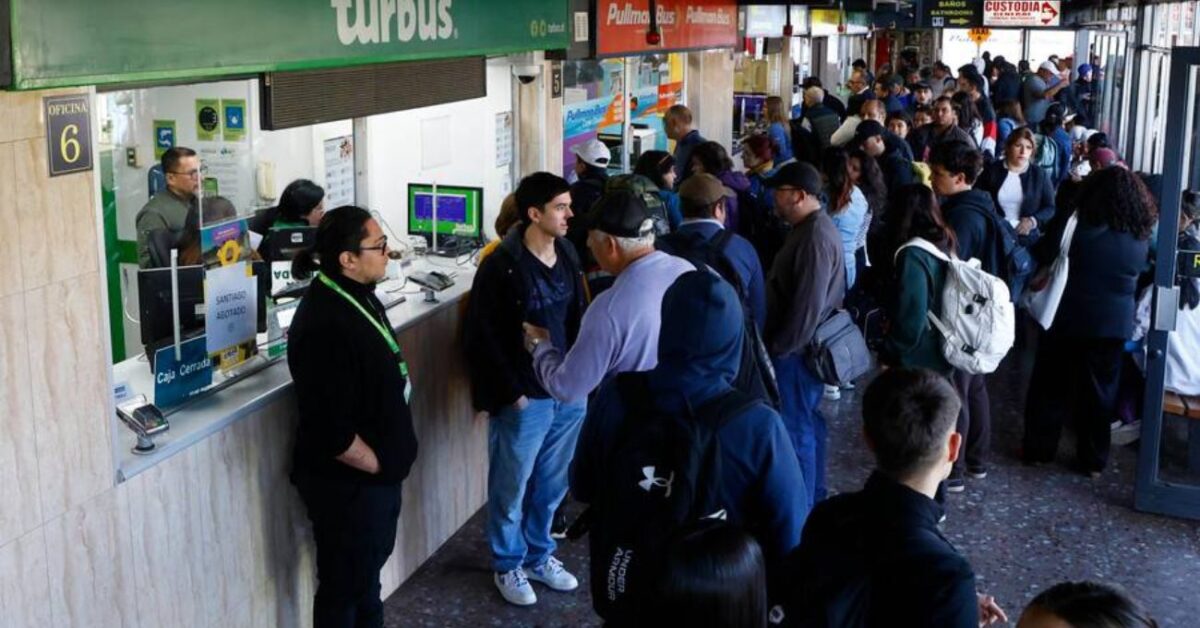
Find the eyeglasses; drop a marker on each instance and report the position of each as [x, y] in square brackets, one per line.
[381, 247]
[190, 173]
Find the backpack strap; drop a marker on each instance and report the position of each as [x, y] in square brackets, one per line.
[924, 245]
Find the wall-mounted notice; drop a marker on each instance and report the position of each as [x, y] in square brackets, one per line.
[504, 138]
[164, 137]
[339, 171]
[208, 119]
[68, 133]
[233, 116]
[177, 380]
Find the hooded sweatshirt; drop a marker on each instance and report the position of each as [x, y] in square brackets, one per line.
[698, 356]
[971, 215]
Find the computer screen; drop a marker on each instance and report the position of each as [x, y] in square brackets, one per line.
[154, 301]
[283, 244]
[459, 210]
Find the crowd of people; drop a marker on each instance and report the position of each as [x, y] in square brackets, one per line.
[645, 342]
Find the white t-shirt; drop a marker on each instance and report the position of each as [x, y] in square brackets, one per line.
[1009, 197]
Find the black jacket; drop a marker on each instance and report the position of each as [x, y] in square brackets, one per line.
[972, 215]
[923, 140]
[1037, 191]
[1006, 87]
[834, 103]
[584, 194]
[347, 383]
[1100, 297]
[897, 170]
[500, 368]
[879, 552]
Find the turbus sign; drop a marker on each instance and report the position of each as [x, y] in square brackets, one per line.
[1022, 13]
[85, 42]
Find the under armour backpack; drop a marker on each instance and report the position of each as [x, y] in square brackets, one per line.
[756, 374]
[663, 472]
[645, 188]
[977, 321]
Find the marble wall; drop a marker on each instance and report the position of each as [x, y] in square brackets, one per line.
[214, 536]
[709, 88]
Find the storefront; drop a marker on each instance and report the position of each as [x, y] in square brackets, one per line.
[777, 57]
[838, 38]
[205, 529]
[619, 90]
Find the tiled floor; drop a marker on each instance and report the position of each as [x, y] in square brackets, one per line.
[1022, 528]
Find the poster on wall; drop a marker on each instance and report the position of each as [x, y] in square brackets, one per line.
[595, 107]
[504, 137]
[233, 116]
[227, 171]
[683, 25]
[164, 137]
[339, 171]
[1022, 14]
[208, 119]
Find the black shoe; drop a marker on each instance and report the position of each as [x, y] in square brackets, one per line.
[558, 528]
[977, 473]
[956, 484]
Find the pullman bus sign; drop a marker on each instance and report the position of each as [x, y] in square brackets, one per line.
[1022, 13]
[68, 133]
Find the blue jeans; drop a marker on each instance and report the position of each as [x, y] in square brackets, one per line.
[530, 452]
[800, 393]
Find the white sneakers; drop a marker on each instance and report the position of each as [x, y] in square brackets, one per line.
[514, 585]
[552, 574]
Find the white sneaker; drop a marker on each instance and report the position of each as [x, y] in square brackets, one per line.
[832, 393]
[552, 574]
[514, 587]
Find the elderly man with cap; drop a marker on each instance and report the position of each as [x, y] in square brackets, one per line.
[619, 332]
[703, 238]
[807, 281]
[872, 138]
[1038, 92]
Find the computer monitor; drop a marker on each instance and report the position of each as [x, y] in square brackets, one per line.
[154, 297]
[283, 244]
[459, 211]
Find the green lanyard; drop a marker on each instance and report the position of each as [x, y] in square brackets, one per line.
[383, 331]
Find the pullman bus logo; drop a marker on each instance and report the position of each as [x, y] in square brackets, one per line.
[379, 21]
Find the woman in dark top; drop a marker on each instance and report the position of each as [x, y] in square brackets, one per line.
[1023, 194]
[919, 277]
[355, 441]
[302, 204]
[1078, 361]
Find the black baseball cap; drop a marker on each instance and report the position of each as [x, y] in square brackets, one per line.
[621, 213]
[866, 129]
[797, 175]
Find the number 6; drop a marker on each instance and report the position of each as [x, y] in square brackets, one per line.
[69, 146]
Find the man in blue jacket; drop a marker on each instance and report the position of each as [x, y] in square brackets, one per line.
[973, 216]
[698, 357]
[702, 198]
[876, 557]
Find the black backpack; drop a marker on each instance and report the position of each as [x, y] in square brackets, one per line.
[1016, 262]
[663, 472]
[755, 375]
[645, 188]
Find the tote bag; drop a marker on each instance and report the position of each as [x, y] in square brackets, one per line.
[1042, 303]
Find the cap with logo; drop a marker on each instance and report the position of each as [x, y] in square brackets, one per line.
[798, 175]
[593, 153]
[621, 213]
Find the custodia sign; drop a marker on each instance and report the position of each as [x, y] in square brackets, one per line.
[1023, 13]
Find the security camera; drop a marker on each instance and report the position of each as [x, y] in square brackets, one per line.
[527, 73]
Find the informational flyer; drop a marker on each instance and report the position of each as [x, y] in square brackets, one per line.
[233, 115]
[504, 138]
[164, 137]
[339, 171]
[225, 244]
[231, 307]
[208, 119]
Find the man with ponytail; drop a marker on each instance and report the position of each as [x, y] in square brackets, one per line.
[355, 441]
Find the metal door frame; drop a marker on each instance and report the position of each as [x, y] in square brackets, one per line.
[1151, 493]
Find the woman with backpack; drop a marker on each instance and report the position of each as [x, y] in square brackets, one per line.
[712, 158]
[659, 167]
[918, 279]
[1022, 192]
[1076, 371]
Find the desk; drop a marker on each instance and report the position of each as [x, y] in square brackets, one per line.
[244, 433]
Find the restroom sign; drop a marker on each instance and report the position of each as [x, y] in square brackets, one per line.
[1022, 13]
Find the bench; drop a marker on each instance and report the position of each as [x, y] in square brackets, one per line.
[1187, 407]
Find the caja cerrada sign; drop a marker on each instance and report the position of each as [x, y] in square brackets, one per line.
[1022, 13]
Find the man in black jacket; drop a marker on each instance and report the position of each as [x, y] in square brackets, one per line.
[973, 216]
[876, 557]
[897, 171]
[534, 276]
